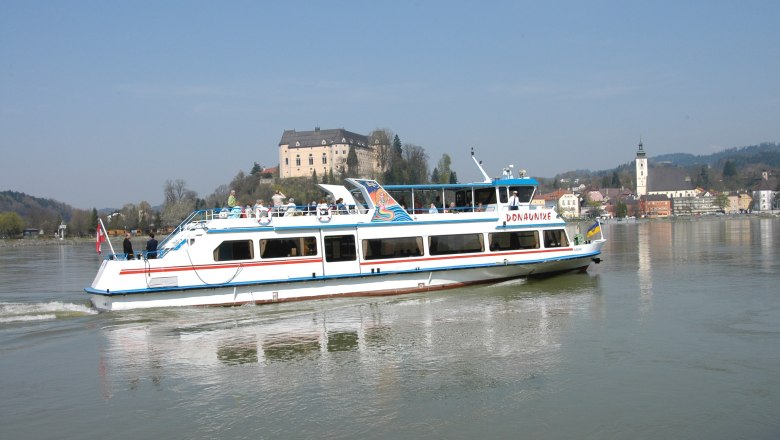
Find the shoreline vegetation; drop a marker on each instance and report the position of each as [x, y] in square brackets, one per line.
[141, 239]
[51, 241]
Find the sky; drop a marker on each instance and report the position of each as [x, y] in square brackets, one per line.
[102, 102]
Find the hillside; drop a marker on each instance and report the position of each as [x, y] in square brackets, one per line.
[36, 211]
[766, 154]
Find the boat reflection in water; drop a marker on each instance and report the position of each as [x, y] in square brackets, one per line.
[500, 333]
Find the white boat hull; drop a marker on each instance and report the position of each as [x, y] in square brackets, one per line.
[362, 285]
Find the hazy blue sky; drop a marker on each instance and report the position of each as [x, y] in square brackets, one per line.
[101, 102]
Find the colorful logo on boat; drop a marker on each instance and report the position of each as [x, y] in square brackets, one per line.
[387, 209]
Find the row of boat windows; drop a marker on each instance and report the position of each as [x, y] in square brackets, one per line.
[342, 247]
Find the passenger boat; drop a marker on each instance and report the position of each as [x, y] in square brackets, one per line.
[373, 245]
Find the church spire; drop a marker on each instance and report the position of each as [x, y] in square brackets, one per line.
[641, 151]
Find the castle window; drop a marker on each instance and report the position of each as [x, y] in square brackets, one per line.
[324, 159]
[311, 160]
[298, 160]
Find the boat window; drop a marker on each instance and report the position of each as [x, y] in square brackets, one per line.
[555, 238]
[524, 192]
[512, 241]
[402, 247]
[486, 196]
[288, 247]
[340, 248]
[234, 250]
[455, 244]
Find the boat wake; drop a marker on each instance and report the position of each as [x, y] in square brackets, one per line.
[20, 312]
[514, 282]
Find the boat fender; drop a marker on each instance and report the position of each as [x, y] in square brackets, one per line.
[265, 220]
[324, 215]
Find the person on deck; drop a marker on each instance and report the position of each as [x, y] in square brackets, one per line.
[277, 199]
[514, 202]
[127, 247]
[232, 199]
[151, 247]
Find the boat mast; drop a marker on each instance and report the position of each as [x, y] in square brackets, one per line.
[479, 165]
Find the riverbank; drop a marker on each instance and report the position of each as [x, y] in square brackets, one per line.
[41, 241]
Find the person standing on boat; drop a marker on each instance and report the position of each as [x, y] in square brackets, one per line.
[277, 199]
[232, 199]
[433, 209]
[127, 247]
[514, 202]
[151, 247]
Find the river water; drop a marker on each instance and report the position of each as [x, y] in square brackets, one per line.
[676, 334]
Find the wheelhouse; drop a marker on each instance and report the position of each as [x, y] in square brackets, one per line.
[470, 197]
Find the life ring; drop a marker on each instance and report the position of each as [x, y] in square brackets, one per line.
[265, 220]
[324, 215]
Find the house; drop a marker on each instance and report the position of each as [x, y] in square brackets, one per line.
[764, 195]
[656, 205]
[569, 206]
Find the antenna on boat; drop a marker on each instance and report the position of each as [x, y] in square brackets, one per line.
[479, 165]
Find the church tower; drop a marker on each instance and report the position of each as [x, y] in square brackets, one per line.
[641, 171]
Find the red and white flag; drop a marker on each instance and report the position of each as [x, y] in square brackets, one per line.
[100, 237]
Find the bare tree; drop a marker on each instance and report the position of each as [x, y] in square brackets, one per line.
[416, 164]
[381, 139]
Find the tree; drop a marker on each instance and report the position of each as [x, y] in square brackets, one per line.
[416, 170]
[453, 177]
[396, 172]
[80, 223]
[722, 200]
[380, 140]
[11, 224]
[256, 168]
[729, 170]
[353, 168]
[179, 202]
[435, 175]
[621, 209]
[595, 209]
[93, 221]
[444, 168]
[615, 180]
[397, 146]
[703, 179]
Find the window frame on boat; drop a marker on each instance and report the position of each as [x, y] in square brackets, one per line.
[550, 241]
[338, 248]
[517, 240]
[450, 244]
[390, 248]
[227, 250]
[287, 247]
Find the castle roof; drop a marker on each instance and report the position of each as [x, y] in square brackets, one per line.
[318, 138]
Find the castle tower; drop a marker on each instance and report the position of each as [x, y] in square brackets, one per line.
[641, 171]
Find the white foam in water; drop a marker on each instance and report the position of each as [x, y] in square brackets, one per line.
[15, 312]
[512, 282]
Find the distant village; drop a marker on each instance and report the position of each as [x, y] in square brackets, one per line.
[660, 191]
